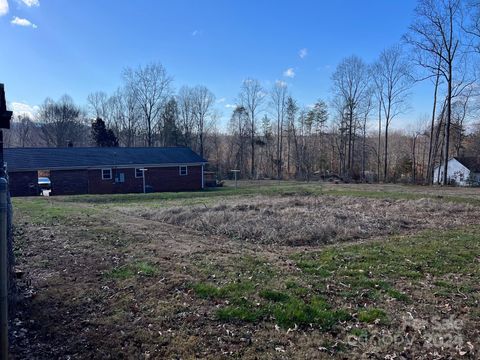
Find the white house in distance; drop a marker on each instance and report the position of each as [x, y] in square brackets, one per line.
[462, 171]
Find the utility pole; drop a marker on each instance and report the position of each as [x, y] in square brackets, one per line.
[235, 172]
[5, 117]
[143, 170]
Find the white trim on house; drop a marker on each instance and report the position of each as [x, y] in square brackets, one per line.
[110, 174]
[183, 170]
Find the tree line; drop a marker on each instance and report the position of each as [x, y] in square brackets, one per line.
[271, 135]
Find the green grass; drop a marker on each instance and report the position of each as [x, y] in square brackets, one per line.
[373, 315]
[144, 268]
[242, 311]
[206, 290]
[230, 291]
[272, 295]
[140, 268]
[371, 271]
[360, 333]
[398, 295]
[429, 252]
[285, 310]
[42, 210]
[281, 189]
[313, 268]
[360, 272]
[315, 312]
[295, 288]
[270, 188]
[285, 307]
[122, 272]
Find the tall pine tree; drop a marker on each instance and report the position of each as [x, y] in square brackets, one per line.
[103, 136]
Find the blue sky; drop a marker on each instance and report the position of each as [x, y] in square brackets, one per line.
[53, 47]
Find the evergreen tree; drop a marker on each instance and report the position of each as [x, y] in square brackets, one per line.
[103, 136]
[171, 132]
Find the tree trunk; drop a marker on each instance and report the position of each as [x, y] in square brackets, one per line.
[379, 139]
[252, 168]
[385, 166]
[414, 165]
[447, 127]
[432, 127]
[350, 125]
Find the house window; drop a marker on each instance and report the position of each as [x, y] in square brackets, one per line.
[139, 173]
[183, 170]
[106, 174]
[120, 178]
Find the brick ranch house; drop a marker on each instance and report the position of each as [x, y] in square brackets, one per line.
[103, 170]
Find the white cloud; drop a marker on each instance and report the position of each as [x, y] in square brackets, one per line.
[303, 53]
[230, 106]
[3, 7]
[280, 84]
[20, 108]
[22, 22]
[221, 100]
[289, 73]
[31, 3]
[197, 32]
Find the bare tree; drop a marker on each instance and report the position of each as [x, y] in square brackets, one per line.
[310, 127]
[203, 100]
[214, 140]
[152, 87]
[431, 155]
[379, 144]
[128, 115]
[278, 102]
[292, 139]
[24, 130]
[435, 34]
[61, 122]
[392, 80]
[460, 111]
[364, 117]
[185, 101]
[471, 24]
[97, 104]
[252, 97]
[351, 82]
[239, 130]
[340, 133]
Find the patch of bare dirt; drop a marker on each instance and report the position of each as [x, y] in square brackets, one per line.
[72, 309]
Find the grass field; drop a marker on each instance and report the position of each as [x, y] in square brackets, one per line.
[269, 270]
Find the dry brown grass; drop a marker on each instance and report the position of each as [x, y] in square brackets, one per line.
[312, 220]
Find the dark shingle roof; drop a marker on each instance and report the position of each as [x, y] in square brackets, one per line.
[74, 158]
[471, 163]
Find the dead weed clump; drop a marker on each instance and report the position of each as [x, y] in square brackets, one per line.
[313, 220]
